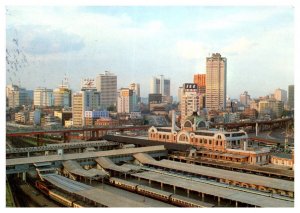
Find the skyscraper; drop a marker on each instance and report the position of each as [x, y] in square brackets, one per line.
[291, 97]
[43, 97]
[160, 85]
[280, 95]
[106, 84]
[216, 69]
[62, 96]
[87, 100]
[245, 99]
[136, 88]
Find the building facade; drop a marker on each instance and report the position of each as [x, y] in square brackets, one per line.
[136, 88]
[106, 84]
[216, 69]
[62, 96]
[272, 107]
[16, 96]
[245, 99]
[160, 85]
[43, 97]
[280, 95]
[82, 101]
[126, 101]
[291, 97]
[189, 102]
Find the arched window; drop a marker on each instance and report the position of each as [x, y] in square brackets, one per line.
[187, 124]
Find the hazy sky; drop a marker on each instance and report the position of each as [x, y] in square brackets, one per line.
[136, 43]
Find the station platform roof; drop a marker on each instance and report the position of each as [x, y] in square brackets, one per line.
[215, 190]
[109, 199]
[107, 163]
[65, 183]
[75, 168]
[91, 193]
[218, 173]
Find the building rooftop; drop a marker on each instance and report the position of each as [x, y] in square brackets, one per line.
[218, 173]
[220, 191]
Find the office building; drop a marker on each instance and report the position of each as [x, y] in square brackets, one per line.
[126, 101]
[280, 95]
[189, 103]
[216, 69]
[160, 85]
[16, 96]
[35, 117]
[82, 101]
[62, 96]
[106, 84]
[271, 107]
[136, 96]
[43, 97]
[200, 80]
[291, 97]
[245, 99]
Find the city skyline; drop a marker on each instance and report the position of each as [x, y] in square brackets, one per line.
[136, 43]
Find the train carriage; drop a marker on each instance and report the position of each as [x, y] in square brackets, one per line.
[62, 199]
[123, 184]
[154, 193]
[188, 202]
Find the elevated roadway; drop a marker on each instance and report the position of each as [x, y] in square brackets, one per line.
[73, 145]
[17, 165]
[26, 132]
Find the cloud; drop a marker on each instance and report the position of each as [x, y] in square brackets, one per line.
[44, 40]
[238, 46]
[190, 50]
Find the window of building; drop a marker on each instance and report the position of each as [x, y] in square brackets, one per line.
[210, 142]
[217, 142]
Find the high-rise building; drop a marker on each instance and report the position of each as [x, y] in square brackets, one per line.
[106, 84]
[62, 96]
[291, 97]
[200, 80]
[77, 109]
[82, 101]
[245, 99]
[16, 96]
[43, 97]
[160, 85]
[280, 95]
[216, 69]
[136, 88]
[189, 102]
[126, 101]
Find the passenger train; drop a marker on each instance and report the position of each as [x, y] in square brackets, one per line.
[158, 194]
[58, 196]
